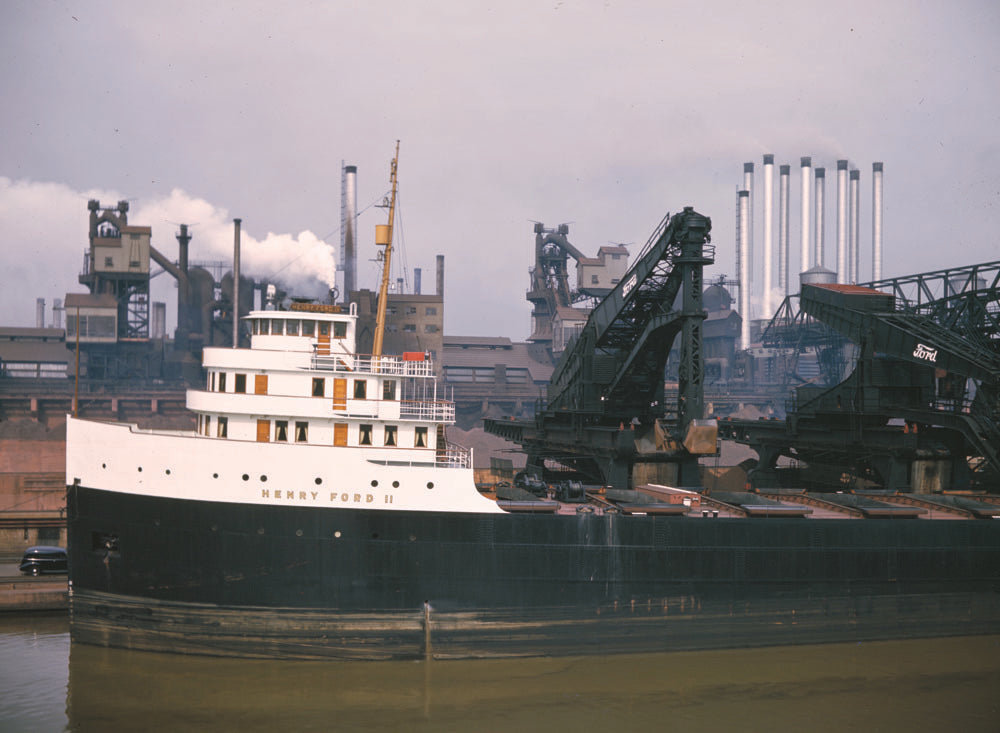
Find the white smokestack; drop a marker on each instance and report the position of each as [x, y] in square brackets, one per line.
[348, 235]
[744, 199]
[819, 256]
[842, 274]
[876, 221]
[805, 249]
[784, 182]
[768, 233]
[854, 219]
[748, 187]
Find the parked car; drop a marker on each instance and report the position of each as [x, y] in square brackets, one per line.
[43, 559]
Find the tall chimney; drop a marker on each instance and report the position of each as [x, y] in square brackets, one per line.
[768, 233]
[876, 221]
[854, 225]
[842, 274]
[744, 199]
[748, 187]
[784, 180]
[805, 249]
[416, 281]
[183, 240]
[159, 327]
[349, 217]
[440, 275]
[57, 311]
[236, 282]
[399, 285]
[40, 313]
[819, 258]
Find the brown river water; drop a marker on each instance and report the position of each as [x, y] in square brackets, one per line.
[943, 684]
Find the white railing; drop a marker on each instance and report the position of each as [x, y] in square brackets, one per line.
[394, 366]
[427, 410]
[453, 456]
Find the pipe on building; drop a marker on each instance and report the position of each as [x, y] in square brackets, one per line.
[842, 275]
[768, 233]
[236, 282]
[744, 199]
[805, 249]
[854, 225]
[819, 258]
[784, 182]
[876, 221]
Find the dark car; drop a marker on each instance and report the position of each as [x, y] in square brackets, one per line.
[43, 559]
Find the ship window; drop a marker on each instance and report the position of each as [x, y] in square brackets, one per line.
[292, 328]
[255, 327]
[360, 389]
[208, 425]
[390, 435]
[211, 381]
[420, 437]
[301, 432]
[365, 435]
[223, 427]
[389, 389]
[222, 381]
[319, 387]
[340, 330]
[308, 328]
[281, 430]
[241, 384]
[277, 328]
[324, 328]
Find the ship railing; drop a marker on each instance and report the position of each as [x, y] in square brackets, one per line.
[394, 366]
[437, 411]
[453, 456]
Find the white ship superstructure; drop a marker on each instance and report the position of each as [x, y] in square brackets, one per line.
[299, 418]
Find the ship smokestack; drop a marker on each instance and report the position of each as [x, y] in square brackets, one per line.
[876, 221]
[744, 201]
[784, 181]
[854, 222]
[819, 258]
[349, 216]
[842, 275]
[768, 233]
[236, 282]
[805, 248]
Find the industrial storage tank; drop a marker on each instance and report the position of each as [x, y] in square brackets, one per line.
[818, 275]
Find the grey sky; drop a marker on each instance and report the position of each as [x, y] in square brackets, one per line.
[603, 114]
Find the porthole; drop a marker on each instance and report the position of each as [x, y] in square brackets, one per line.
[298, 533]
[430, 484]
[263, 479]
[260, 530]
[104, 465]
[215, 528]
[168, 471]
[246, 477]
[337, 534]
[413, 538]
[318, 480]
[140, 469]
[395, 484]
[374, 483]
[215, 475]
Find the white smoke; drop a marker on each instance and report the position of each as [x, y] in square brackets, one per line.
[44, 228]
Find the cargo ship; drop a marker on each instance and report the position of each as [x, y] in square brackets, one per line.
[319, 511]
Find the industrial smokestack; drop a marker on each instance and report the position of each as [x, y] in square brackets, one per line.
[805, 249]
[842, 274]
[159, 321]
[744, 208]
[440, 275]
[40, 313]
[819, 258]
[854, 225]
[183, 240]
[748, 187]
[349, 216]
[236, 282]
[768, 233]
[784, 180]
[876, 221]
[57, 311]
[399, 285]
[416, 280]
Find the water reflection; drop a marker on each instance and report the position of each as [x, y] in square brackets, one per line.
[932, 684]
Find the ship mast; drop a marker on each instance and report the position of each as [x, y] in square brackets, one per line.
[383, 237]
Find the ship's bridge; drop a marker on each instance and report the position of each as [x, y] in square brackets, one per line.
[310, 327]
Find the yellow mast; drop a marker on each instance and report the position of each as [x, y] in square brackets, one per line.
[383, 237]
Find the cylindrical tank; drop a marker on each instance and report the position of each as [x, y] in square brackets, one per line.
[817, 275]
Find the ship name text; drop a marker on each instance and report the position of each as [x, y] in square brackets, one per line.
[339, 497]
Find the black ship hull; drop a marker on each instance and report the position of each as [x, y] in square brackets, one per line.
[250, 580]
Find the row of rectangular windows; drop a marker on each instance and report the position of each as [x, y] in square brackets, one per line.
[365, 432]
[295, 327]
[217, 382]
